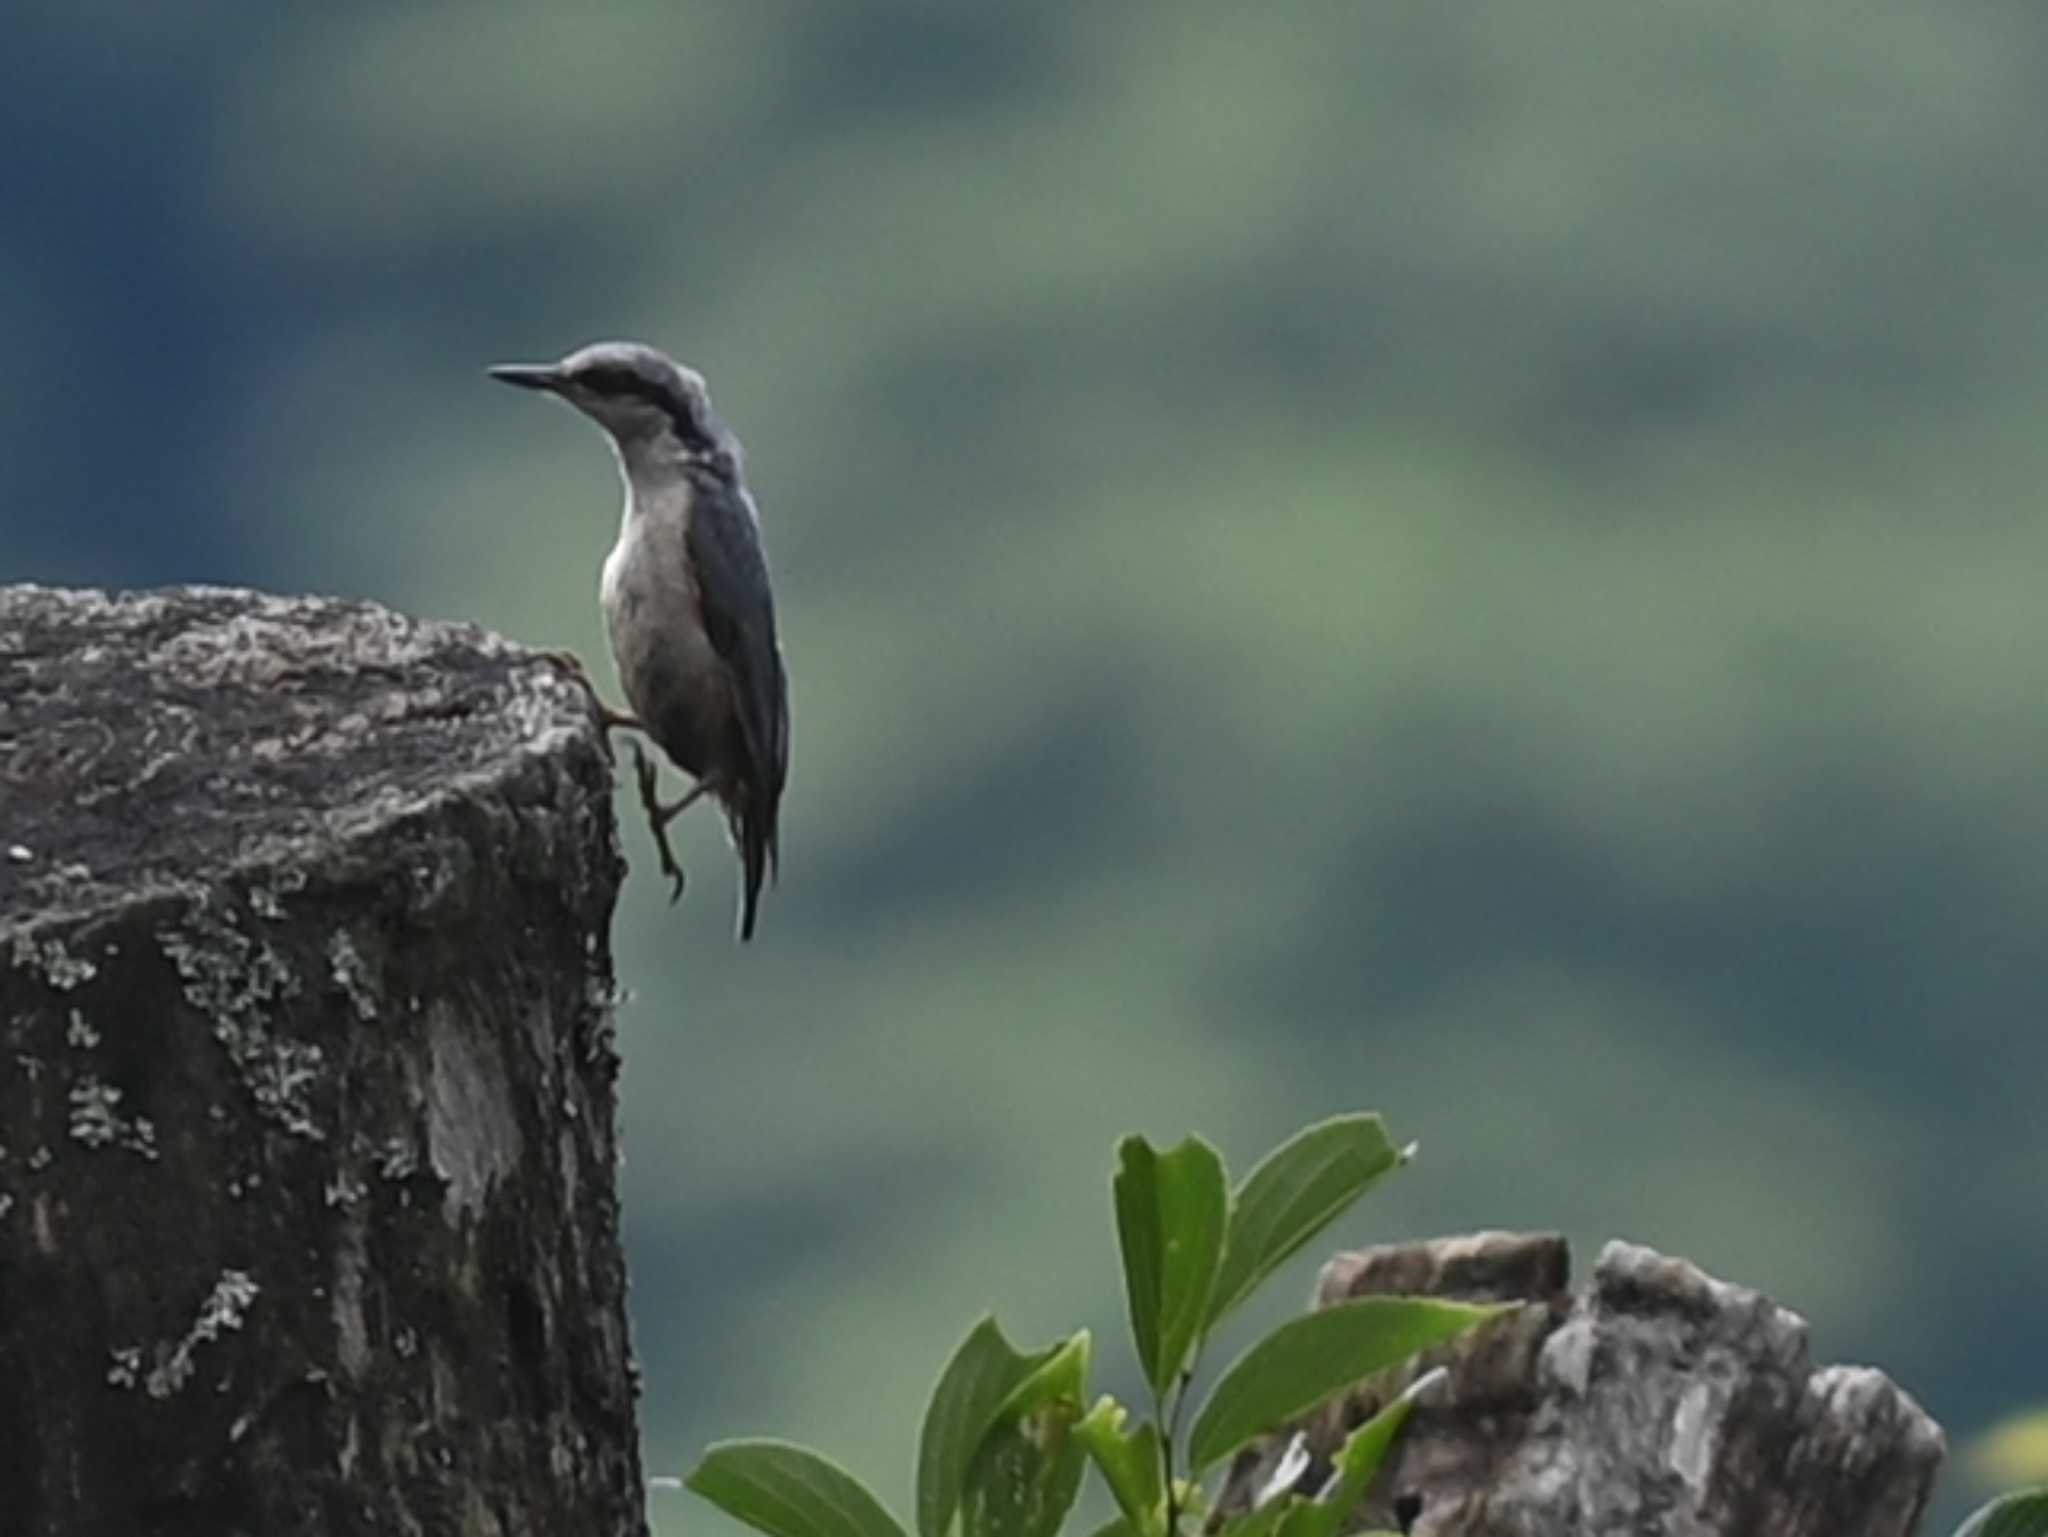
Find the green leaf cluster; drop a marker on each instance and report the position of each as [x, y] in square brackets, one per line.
[1008, 1435]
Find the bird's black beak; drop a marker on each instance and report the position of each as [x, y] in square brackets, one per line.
[528, 376]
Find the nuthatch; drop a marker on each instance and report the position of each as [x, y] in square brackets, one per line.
[686, 601]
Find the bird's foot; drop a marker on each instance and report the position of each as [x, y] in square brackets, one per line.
[658, 818]
[608, 720]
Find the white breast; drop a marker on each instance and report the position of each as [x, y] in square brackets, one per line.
[653, 618]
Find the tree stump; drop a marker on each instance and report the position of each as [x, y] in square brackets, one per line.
[307, 1214]
[1655, 1400]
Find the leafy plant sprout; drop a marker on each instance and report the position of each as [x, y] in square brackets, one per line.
[1006, 1438]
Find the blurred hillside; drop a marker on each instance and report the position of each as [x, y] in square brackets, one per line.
[1475, 562]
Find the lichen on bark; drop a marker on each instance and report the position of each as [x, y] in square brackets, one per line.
[307, 1212]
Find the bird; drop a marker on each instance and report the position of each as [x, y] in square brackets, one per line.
[688, 608]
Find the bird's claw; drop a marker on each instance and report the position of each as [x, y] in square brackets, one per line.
[608, 719]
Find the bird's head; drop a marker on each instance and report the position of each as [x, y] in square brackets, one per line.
[642, 397]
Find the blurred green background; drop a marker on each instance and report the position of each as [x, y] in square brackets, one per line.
[1480, 562]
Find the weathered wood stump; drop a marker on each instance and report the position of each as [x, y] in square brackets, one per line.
[1654, 1400]
[307, 1215]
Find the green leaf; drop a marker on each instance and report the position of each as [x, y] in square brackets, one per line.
[1304, 1518]
[1171, 1210]
[1058, 1375]
[1261, 1521]
[1359, 1458]
[1304, 1361]
[1289, 1516]
[1297, 1190]
[1357, 1461]
[1023, 1479]
[2023, 1514]
[986, 1382]
[787, 1491]
[1129, 1464]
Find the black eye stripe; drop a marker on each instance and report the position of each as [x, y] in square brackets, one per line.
[616, 380]
[610, 379]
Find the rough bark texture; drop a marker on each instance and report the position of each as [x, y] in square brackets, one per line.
[1656, 1400]
[307, 1217]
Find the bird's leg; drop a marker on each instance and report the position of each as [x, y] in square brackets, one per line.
[608, 719]
[659, 816]
[643, 768]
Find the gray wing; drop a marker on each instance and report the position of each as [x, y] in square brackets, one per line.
[739, 620]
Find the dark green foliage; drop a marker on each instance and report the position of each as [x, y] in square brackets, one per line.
[1005, 1436]
[1304, 1361]
[2024, 1514]
[1171, 1209]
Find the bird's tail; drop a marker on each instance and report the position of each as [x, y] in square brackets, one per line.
[754, 830]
